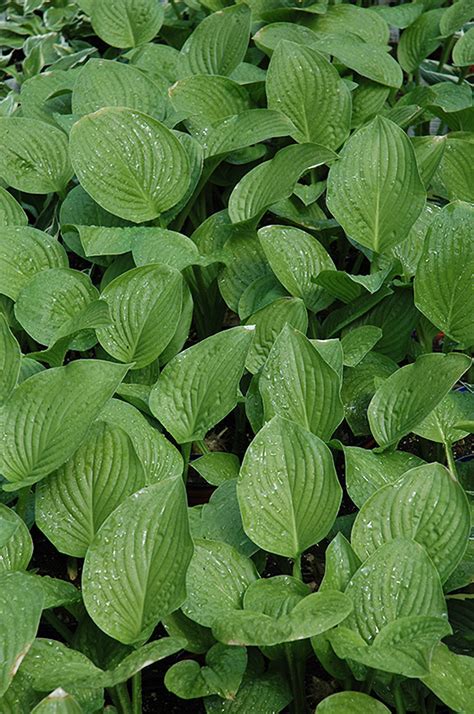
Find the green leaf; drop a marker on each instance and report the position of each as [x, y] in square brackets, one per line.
[35, 155]
[244, 261]
[159, 458]
[425, 505]
[367, 101]
[274, 180]
[410, 250]
[463, 51]
[216, 581]
[105, 83]
[295, 367]
[455, 169]
[50, 300]
[16, 545]
[203, 100]
[11, 213]
[411, 393]
[341, 564]
[353, 702]
[221, 519]
[222, 674]
[455, 16]
[187, 407]
[58, 702]
[269, 322]
[73, 502]
[130, 163]
[299, 80]
[296, 258]
[145, 306]
[367, 471]
[133, 574]
[285, 469]
[259, 692]
[429, 151]
[126, 23]
[451, 678]
[366, 58]
[243, 130]
[10, 360]
[443, 284]
[400, 16]
[158, 245]
[419, 40]
[218, 44]
[374, 190]
[48, 416]
[358, 342]
[217, 467]
[21, 603]
[362, 22]
[37, 250]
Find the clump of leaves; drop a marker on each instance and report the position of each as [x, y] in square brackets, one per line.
[236, 257]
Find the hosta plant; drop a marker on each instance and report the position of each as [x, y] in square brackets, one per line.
[236, 337]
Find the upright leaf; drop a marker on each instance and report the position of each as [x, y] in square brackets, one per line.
[58, 702]
[16, 544]
[10, 359]
[199, 387]
[304, 85]
[48, 416]
[11, 213]
[130, 163]
[374, 190]
[411, 393]
[288, 490]
[133, 573]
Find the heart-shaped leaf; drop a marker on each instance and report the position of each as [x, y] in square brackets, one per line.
[130, 163]
[287, 469]
[374, 190]
[133, 576]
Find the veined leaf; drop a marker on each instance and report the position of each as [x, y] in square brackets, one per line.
[363, 22]
[374, 190]
[243, 130]
[73, 502]
[34, 156]
[288, 490]
[411, 393]
[419, 40]
[11, 213]
[443, 281]
[296, 258]
[425, 505]
[105, 83]
[455, 16]
[302, 82]
[158, 245]
[441, 425]
[130, 163]
[358, 342]
[218, 44]
[455, 169]
[354, 702]
[10, 360]
[145, 306]
[273, 180]
[21, 603]
[217, 579]
[188, 408]
[463, 51]
[126, 23]
[58, 702]
[48, 415]
[451, 678]
[295, 367]
[133, 575]
[16, 545]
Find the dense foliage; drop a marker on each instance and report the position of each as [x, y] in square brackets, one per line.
[236, 332]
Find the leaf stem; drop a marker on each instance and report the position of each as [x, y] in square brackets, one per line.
[137, 693]
[186, 454]
[203, 447]
[123, 699]
[398, 698]
[369, 682]
[450, 460]
[62, 629]
[22, 503]
[296, 674]
[447, 47]
[175, 8]
[297, 568]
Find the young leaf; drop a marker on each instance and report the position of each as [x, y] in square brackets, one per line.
[145, 306]
[296, 258]
[10, 360]
[295, 367]
[126, 23]
[130, 163]
[288, 490]
[188, 408]
[133, 575]
[302, 82]
[374, 190]
[73, 502]
[21, 603]
[443, 281]
[218, 44]
[216, 581]
[425, 505]
[411, 393]
[35, 155]
[48, 416]
[25, 251]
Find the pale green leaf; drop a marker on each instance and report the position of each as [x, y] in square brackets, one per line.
[11, 213]
[16, 545]
[451, 678]
[455, 16]
[362, 22]
[58, 702]
[351, 703]
[463, 52]
[442, 424]
[455, 169]
[126, 23]
[358, 342]
[217, 467]
[10, 360]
